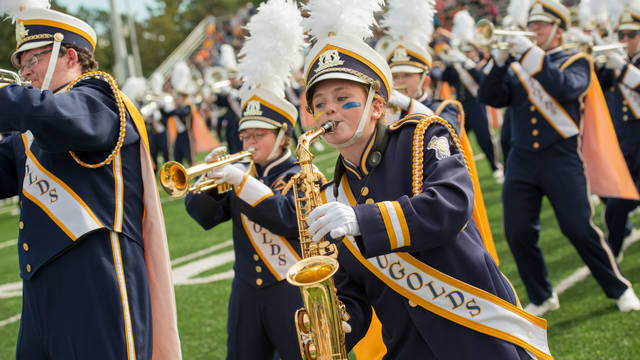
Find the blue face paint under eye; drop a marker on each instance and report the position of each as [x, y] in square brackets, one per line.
[351, 104]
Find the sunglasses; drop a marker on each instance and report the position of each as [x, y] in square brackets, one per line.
[629, 34]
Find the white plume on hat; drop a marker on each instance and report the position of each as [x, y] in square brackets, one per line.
[463, 26]
[615, 9]
[410, 20]
[517, 13]
[273, 48]
[156, 83]
[12, 8]
[135, 87]
[342, 17]
[228, 57]
[182, 79]
[592, 11]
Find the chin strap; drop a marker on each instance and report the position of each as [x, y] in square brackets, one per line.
[550, 38]
[420, 90]
[276, 146]
[362, 123]
[57, 41]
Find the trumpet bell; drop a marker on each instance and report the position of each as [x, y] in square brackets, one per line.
[174, 179]
[486, 34]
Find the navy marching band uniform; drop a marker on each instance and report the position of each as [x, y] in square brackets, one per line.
[158, 139]
[443, 235]
[620, 90]
[405, 210]
[544, 159]
[261, 304]
[475, 111]
[230, 118]
[47, 251]
[80, 228]
[183, 149]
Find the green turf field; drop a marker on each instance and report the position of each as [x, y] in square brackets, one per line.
[587, 326]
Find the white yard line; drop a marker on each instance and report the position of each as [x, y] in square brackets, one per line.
[479, 156]
[8, 243]
[582, 272]
[10, 320]
[202, 252]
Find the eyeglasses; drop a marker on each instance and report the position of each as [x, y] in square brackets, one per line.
[257, 135]
[629, 34]
[32, 61]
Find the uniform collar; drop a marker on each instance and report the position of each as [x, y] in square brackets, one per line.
[277, 165]
[635, 58]
[555, 50]
[361, 169]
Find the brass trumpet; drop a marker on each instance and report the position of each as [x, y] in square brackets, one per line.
[175, 178]
[10, 77]
[598, 52]
[486, 35]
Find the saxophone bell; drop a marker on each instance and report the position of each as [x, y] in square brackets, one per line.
[319, 337]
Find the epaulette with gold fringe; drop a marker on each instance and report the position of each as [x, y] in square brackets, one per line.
[424, 121]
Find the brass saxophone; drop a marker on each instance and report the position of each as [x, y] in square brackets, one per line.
[319, 323]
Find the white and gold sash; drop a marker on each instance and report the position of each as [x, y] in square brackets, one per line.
[275, 251]
[630, 81]
[55, 197]
[451, 298]
[550, 109]
[467, 80]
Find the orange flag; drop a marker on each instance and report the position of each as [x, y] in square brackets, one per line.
[479, 211]
[203, 140]
[171, 129]
[495, 117]
[606, 169]
[445, 91]
[371, 346]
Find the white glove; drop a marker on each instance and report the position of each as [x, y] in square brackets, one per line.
[215, 154]
[615, 61]
[334, 218]
[461, 58]
[227, 174]
[400, 100]
[499, 56]
[519, 44]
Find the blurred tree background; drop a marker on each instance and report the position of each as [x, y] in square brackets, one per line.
[169, 22]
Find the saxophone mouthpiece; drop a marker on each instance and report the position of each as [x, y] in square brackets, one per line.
[328, 126]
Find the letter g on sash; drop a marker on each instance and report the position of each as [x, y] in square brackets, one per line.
[396, 275]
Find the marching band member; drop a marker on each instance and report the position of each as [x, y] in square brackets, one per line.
[229, 99]
[543, 87]
[464, 75]
[619, 79]
[265, 229]
[400, 205]
[92, 249]
[182, 114]
[409, 26]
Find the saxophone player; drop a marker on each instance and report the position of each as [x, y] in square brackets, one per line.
[400, 209]
[261, 304]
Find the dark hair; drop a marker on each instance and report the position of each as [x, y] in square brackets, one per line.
[87, 61]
